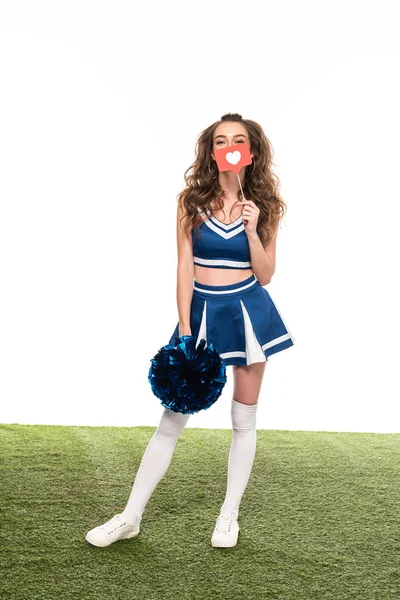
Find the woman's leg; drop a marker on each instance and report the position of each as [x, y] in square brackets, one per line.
[247, 385]
[155, 462]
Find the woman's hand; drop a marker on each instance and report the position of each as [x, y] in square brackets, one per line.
[250, 216]
[184, 331]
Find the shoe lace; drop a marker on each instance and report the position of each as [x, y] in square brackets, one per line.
[114, 524]
[224, 524]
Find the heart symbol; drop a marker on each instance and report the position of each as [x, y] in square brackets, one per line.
[233, 157]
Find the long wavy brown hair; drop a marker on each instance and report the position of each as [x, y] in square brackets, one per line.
[260, 184]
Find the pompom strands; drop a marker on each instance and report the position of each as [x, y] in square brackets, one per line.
[187, 379]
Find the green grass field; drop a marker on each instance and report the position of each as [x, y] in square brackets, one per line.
[320, 517]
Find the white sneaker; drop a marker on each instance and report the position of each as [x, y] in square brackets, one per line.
[226, 532]
[113, 530]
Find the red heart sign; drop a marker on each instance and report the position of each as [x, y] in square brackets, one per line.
[233, 158]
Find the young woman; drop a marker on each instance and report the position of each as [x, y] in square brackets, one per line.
[223, 264]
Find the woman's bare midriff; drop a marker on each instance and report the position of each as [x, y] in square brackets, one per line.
[210, 276]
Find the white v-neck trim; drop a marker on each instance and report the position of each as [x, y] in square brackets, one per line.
[224, 225]
[222, 229]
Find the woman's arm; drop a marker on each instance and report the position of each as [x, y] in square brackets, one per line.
[185, 273]
[263, 260]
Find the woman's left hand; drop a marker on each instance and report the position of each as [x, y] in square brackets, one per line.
[250, 216]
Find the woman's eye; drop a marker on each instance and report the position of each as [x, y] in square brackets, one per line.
[238, 142]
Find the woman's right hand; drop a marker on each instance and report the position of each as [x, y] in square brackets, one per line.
[184, 331]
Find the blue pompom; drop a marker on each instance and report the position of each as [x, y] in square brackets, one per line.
[187, 379]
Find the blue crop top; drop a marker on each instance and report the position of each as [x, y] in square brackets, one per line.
[221, 245]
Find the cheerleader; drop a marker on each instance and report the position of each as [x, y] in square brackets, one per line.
[223, 264]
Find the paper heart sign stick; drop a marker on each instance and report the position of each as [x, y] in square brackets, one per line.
[233, 158]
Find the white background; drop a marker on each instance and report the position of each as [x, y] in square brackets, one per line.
[101, 105]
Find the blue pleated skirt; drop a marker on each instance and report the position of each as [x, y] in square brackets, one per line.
[240, 320]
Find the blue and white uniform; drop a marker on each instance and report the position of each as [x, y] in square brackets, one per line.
[221, 245]
[240, 320]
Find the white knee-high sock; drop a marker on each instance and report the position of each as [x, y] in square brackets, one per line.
[155, 462]
[241, 454]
